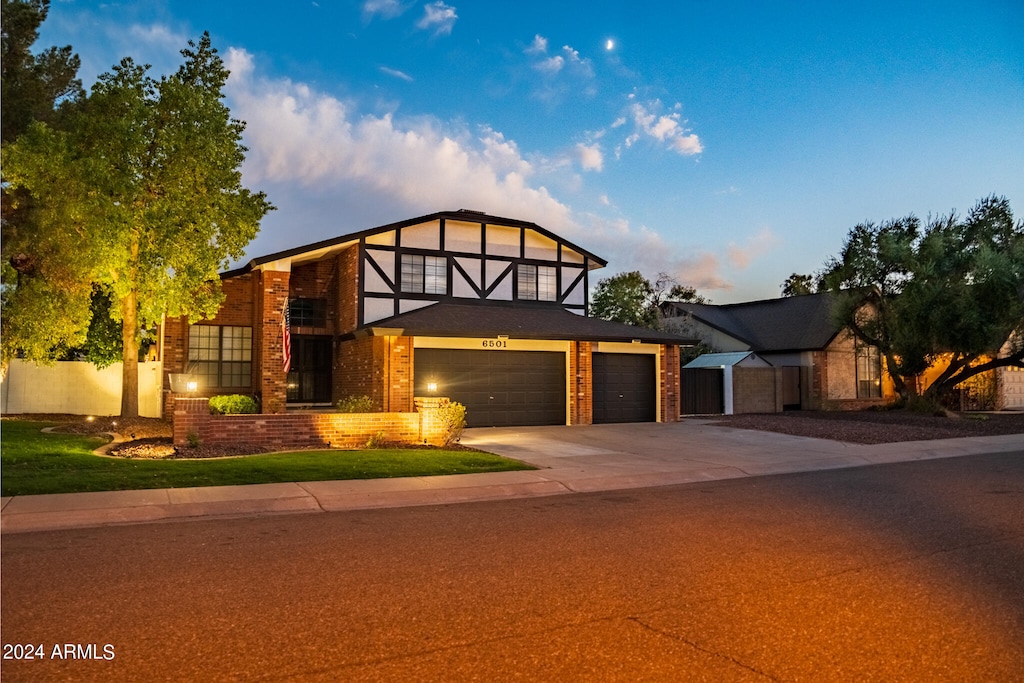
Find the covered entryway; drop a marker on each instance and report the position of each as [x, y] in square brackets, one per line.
[625, 388]
[498, 387]
[309, 378]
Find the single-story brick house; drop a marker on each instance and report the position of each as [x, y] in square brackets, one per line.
[488, 311]
[823, 365]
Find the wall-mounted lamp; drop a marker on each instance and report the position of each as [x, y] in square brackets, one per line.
[191, 386]
[432, 387]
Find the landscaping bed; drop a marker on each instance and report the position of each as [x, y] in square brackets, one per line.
[878, 426]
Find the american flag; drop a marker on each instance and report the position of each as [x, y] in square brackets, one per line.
[286, 337]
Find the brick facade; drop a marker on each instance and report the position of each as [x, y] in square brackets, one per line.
[378, 367]
[581, 393]
[671, 407]
[268, 355]
[192, 421]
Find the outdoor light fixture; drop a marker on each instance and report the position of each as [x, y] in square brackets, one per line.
[192, 386]
[432, 387]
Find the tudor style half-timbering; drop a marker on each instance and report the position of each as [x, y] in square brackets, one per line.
[488, 311]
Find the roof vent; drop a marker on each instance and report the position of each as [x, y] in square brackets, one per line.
[479, 213]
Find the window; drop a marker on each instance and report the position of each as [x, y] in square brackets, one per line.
[424, 274]
[220, 356]
[307, 312]
[869, 372]
[538, 283]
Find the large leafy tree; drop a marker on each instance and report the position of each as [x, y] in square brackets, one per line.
[633, 299]
[137, 197]
[948, 294]
[798, 284]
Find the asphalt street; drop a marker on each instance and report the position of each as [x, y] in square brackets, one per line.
[903, 572]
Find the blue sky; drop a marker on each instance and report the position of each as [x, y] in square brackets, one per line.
[728, 144]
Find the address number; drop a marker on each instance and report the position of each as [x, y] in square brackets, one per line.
[494, 344]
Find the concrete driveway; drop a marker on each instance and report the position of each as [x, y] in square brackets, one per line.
[603, 457]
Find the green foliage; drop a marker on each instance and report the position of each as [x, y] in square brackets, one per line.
[356, 404]
[453, 421]
[33, 84]
[233, 404]
[798, 285]
[632, 299]
[378, 440]
[139, 192]
[949, 292]
[193, 439]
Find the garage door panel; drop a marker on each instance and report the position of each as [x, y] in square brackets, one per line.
[625, 388]
[499, 388]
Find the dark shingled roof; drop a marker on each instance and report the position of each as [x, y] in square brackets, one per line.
[797, 323]
[517, 322]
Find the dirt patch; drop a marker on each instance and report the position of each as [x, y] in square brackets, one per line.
[874, 427]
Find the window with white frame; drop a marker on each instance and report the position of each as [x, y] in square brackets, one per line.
[220, 356]
[424, 274]
[537, 283]
[869, 372]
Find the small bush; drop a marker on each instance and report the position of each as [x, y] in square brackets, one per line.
[193, 439]
[235, 404]
[376, 441]
[356, 404]
[453, 420]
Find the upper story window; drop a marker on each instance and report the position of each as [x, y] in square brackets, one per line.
[538, 283]
[220, 356]
[307, 312]
[424, 274]
[869, 372]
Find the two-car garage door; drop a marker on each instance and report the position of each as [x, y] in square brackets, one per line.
[519, 388]
[498, 388]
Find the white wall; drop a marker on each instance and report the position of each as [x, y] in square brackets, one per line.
[77, 388]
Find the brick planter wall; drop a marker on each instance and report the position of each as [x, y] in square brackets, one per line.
[327, 430]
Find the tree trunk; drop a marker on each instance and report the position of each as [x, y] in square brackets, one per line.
[129, 356]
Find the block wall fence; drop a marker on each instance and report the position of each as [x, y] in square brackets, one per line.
[192, 420]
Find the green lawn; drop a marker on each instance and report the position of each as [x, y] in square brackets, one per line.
[32, 462]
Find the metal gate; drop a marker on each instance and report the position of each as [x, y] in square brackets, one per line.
[702, 391]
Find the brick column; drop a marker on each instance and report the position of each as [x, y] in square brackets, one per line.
[581, 383]
[431, 430]
[273, 379]
[191, 418]
[669, 380]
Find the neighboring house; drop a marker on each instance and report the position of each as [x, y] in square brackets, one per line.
[822, 364]
[487, 311]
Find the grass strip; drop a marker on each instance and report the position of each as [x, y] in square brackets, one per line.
[33, 462]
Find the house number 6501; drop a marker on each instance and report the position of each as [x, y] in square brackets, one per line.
[495, 344]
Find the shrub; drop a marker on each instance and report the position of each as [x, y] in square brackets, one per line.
[453, 420]
[235, 404]
[377, 440]
[356, 404]
[193, 439]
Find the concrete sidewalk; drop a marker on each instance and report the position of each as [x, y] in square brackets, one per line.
[571, 459]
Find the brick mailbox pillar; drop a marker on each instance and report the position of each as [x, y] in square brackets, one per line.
[432, 429]
[191, 417]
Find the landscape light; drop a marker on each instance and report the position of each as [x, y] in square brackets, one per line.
[432, 387]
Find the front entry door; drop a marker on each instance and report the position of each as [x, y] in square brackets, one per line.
[309, 379]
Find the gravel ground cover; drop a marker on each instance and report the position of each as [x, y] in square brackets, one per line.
[877, 426]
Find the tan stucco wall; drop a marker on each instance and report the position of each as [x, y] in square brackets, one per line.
[77, 388]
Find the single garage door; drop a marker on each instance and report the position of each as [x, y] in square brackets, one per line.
[499, 388]
[625, 388]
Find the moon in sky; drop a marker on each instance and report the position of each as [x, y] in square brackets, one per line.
[610, 45]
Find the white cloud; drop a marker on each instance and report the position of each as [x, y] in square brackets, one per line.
[397, 74]
[665, 128]
[331, 169]
[539, 46]
[590, 156]
[551, 65]
[388, 9]
[438, 17]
